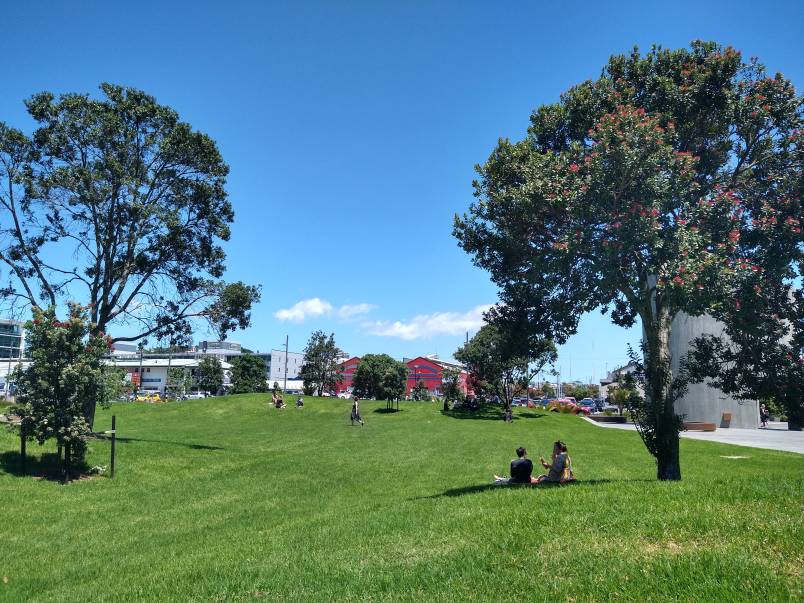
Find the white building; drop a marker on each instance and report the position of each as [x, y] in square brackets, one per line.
[275, 366]
[150, 374]
[12, 349]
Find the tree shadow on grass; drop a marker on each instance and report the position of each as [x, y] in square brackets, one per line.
[184, 444]
[477, 488]
[488, 412]
[42, 466]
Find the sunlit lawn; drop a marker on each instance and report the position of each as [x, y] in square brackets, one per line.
[227, 500]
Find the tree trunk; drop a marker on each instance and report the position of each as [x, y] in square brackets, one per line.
[658, 392]
[89, 414]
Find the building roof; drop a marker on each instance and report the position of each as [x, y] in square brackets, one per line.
[160, 362]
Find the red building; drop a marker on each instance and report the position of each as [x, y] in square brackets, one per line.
[430, 371]
[348, 368]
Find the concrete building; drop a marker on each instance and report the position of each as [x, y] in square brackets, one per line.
[702, 402]
[275, 366]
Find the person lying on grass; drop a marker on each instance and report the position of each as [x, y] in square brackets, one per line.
[560, 469]
[521, 469]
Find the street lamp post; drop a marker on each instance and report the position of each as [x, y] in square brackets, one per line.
[285, 387]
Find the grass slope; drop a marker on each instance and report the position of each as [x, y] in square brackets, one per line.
[227, 500]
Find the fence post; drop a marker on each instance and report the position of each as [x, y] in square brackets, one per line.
[114, 435]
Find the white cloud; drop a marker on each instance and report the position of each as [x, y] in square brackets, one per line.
[429, 325]
[306, 308]
[350, 311]
[314, 307]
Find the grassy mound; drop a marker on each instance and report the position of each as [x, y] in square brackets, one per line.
[227, 500]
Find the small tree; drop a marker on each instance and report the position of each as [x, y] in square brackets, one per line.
[504, 357]
[114, 384]
[65, 381]
[379, 376]
[210, 374]
[179, 381]
[248, 374]
[321, 370]
[393, 387]
[420, 392]
[450, 384]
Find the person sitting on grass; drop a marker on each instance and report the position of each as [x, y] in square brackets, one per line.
[560, 469]
[521, 469]
[300, 402]
[278, 401]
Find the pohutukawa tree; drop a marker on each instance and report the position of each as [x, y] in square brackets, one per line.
[58, 393]
[117, 202]
[645, 193]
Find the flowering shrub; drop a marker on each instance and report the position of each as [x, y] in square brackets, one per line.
[57, 393]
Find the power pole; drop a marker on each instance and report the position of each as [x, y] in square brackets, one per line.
[139, 375]
[285, 387]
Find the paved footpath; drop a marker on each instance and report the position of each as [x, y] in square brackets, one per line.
[775, 437]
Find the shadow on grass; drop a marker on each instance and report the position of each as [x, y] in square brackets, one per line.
[387, 411]
[477, 488]
[45, 466]
[184, 444]
[488, 412]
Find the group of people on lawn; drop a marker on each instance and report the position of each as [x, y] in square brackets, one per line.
[559, 470]
[278, 402]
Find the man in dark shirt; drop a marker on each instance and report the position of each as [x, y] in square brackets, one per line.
[521, 469]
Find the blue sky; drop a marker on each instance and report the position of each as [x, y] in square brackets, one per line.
[352, 129]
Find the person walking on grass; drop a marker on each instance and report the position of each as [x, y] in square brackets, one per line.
[356, 412]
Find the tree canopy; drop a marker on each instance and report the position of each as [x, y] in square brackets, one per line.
[209, 376]
[117, 202]
[321, 369]
[380, 377]
[504, 358]
[661, 187]
[248, 374]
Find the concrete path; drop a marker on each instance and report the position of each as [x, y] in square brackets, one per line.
[775, 437]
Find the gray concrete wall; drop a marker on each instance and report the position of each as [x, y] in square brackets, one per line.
[702, 402]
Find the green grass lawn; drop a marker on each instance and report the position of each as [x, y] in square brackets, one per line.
[226, 500]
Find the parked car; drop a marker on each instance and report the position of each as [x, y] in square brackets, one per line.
[196, 396]
[567, 405]
[344, 395]
[592, 404]
[148, 397]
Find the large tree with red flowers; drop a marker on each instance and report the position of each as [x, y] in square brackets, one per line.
[663, 186]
